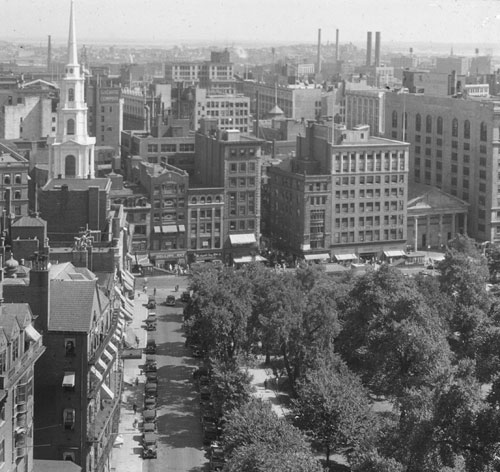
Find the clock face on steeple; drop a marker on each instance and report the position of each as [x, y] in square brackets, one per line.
[72, 149]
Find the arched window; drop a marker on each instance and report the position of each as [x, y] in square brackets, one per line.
[428, 124]
[17, 179]
[440, 125]
[70, 126]
[17, 195]
[394, 119]
[202, 200]
[418, 122]
[193, 200]
[70, 166]
[6, 179]
[483, 135]
[454, 128]
[466, 129]
[71, 95]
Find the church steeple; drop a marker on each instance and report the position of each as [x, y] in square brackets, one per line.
[72, 149]
[72, 49]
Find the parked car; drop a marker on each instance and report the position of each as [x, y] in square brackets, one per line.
[151, 323]
[150, 365]
[185, 297]
[151, 302]
[151, 346]
[150, 403]
[149, 427]
[151, 376]
[205, 393]
[151, 390]
[209, 433]
[216, 456]
[149, 446]
[149, 416]
[170, 301]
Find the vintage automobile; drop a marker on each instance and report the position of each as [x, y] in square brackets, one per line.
[150, 346]
[150, 365]
[151, 323]
[216, 456]
[149, 446]
[151, 302]
[149, 416]
[151, 389]
[170, 301]
[150, 403]
[151, 377]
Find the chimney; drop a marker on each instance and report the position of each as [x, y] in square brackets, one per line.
[318, 70]
[377, 49]
[337, 46]
[369, 48]
[49, 54]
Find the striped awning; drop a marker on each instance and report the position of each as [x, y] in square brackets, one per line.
[126, 313]
[108, 355]
[317, 257]
[95, 372]
[107, 391]
[112, 347]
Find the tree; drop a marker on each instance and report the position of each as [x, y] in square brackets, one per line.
[334, 408]
[230, 385]
[493, 260]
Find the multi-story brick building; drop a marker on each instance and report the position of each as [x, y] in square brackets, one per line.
[365, 107]
[344, 195]
[228, 160]
[14, 181]
[20, 347]
[78, 380]
[454, 146]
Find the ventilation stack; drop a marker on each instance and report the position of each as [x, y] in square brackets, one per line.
[369, 48]
[49, 54]
[318, 70]
[377, 49]
[337, 46]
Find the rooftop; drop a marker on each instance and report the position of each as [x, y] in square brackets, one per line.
[78, 184]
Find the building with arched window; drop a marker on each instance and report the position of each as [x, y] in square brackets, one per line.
[458, 153]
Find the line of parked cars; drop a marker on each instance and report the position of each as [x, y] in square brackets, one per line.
[150, 440]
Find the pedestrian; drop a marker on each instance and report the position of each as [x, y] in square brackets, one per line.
[135, 422]
[136, 383]
[134, 406]
[154, 292]
[265, 384]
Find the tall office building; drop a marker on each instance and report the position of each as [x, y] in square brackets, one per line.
[454, 146]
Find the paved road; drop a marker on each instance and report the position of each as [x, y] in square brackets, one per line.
[179, 429]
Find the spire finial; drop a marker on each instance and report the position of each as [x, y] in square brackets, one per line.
[72, 50]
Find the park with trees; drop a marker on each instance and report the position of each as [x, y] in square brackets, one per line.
[426, 348]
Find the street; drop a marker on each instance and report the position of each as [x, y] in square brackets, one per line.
[178, 424]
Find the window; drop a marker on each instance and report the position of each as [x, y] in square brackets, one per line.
[483, 131]
[6, 179]
[466, 129]
[394, 119]
[15, 348]
[70, 166]
[70, 126]
[454, 128]
[69, 347]
[69, 418]
[233, 167]
[168, 147]
[418, 122]
[71, 95]
[17, 195]
[439, 125]
[428, 124]
[3, 362]
[18, 179]
[186, 147]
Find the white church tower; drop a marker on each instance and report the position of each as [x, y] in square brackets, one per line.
[72, 149]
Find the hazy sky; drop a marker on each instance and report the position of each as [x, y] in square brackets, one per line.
[175, 21]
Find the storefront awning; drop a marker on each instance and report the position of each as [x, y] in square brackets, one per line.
[112, 347]
[345, 257]
[108, 355]
[182, 228]
[395, 253]
[169, 229]
[241, 239]
[95, 372]
[102, 364]
[247, 259]
[107, 391]
[317, 257]
[32, 333]
[128, 280]
[126, 313]
[69, 379]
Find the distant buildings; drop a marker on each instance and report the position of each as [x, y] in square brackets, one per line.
[14, 182]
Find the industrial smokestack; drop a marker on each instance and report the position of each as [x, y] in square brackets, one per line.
[49, 54]
[337, 46]
[377, 49]
[369, 48]
[319, 52]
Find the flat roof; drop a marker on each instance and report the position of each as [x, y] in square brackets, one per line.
[78, 184]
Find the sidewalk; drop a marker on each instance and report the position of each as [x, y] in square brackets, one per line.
[265, 389]
[128, 456]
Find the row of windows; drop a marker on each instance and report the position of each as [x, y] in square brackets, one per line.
[393, 205]
[205, 200]
[205, 213]
[370, 179]
[369, 221]
[370, 193]
[241, 225]
[466, 129]
[242, 182]
[384, 235]
[183, 147]
[203, 228]
[205, 244]
[7, 179]
[241, 167]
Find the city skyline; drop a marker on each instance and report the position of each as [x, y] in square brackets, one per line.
[162, 23]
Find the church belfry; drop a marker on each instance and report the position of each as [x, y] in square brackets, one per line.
[72, 149]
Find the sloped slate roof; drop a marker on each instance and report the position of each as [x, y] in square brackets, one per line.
[72, 304]
[29, 222]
